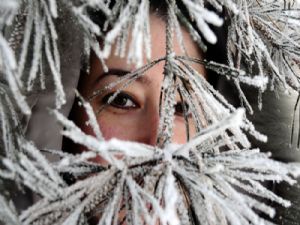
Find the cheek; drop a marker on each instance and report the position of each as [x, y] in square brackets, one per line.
[110, 129]
[180, 132]
[109, 126]
[179, 136]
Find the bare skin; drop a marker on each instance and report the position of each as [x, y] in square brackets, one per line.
[134, 114]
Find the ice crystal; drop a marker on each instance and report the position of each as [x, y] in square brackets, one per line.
[214, 178]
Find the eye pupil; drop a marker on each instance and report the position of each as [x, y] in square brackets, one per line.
[180, 108]
[120, 100]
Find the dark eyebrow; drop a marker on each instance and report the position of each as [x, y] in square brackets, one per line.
[114, 71]
[120, 73]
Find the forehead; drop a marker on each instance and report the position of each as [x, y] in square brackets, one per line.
[158, 39]
[158, 42]
[158, 50]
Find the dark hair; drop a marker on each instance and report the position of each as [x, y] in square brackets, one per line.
[217, 52]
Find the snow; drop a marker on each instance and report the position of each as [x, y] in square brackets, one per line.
[199, 174]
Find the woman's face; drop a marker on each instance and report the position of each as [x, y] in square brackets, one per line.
[134, 114]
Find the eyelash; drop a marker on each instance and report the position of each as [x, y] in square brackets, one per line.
[184, 109]
[179, 108]
[120, 105]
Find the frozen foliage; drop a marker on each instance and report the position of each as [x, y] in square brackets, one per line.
[40, 40]
[264, 40]
[140, 190]
[8, 64]
[215, 178]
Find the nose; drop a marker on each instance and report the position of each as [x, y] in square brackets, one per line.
[148, 127]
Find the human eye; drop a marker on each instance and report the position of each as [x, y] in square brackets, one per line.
[121, 101]
[181, 109]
